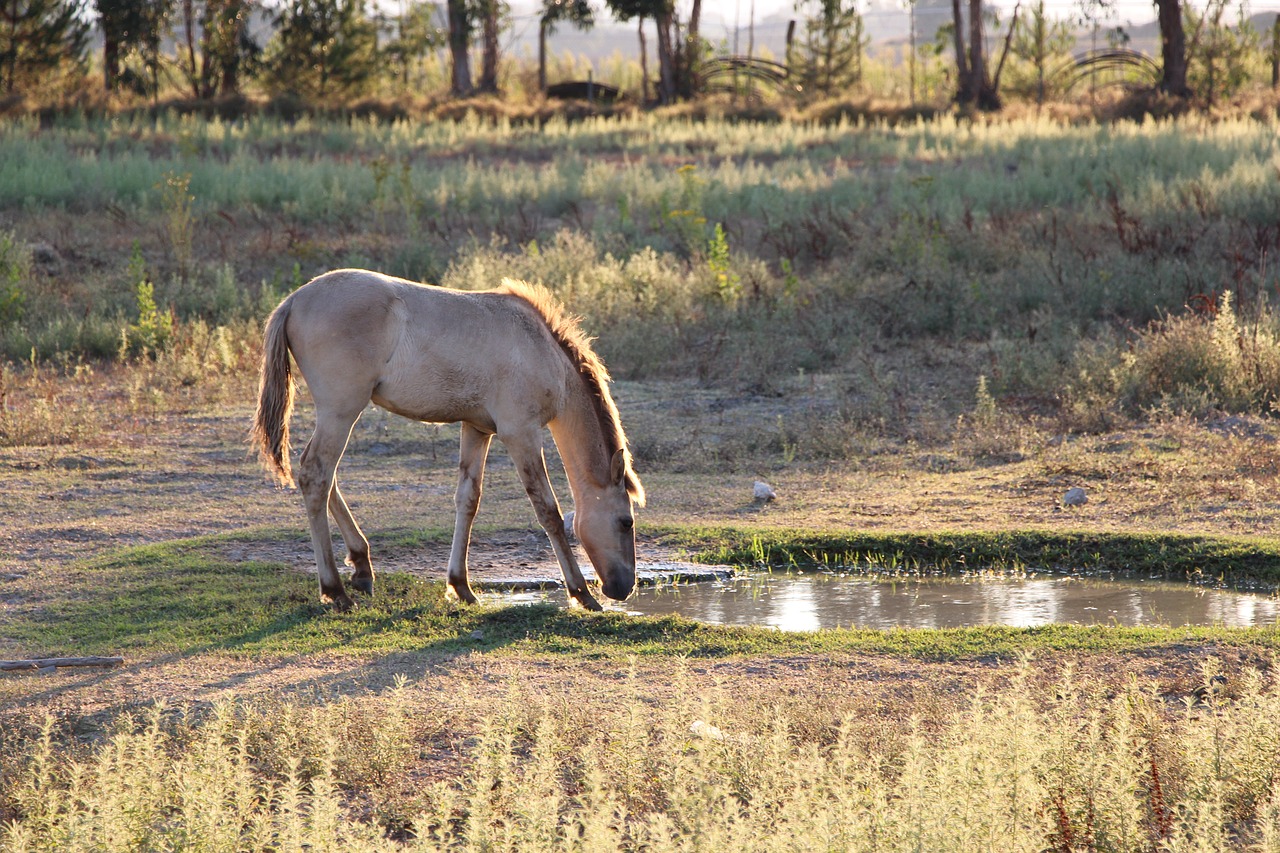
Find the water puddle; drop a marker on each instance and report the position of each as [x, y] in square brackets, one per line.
[809, 602]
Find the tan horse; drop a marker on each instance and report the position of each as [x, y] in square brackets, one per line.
[506, 362]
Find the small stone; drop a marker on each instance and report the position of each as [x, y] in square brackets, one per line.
[477, 634]
[706, 731]
[1075, 497]
[764, 492]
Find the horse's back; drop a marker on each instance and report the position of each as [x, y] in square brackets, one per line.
[425, 352]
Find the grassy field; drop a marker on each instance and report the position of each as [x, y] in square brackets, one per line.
[921, 335]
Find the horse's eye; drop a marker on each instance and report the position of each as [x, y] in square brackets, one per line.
[627, 523]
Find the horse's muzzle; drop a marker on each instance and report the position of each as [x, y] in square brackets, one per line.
[619, 584]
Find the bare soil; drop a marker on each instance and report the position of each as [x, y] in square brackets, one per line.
[186, 474]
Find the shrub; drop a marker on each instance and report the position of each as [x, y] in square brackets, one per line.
[15, 268]
[1200, 362]
[1029, 766]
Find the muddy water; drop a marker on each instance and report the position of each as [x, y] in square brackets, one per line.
[809, 602]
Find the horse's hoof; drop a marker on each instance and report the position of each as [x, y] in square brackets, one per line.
[364, 585]
[463, 594]
[342, 603]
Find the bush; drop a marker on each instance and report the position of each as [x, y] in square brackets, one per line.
[1203, 361]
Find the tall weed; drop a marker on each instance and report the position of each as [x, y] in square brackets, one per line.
[1202, 361]
[1025, 766]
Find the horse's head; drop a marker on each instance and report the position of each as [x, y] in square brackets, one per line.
[605, 525]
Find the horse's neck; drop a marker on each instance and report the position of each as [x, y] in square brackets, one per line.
[580, 438]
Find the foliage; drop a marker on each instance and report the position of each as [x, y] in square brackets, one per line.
[1219, 52]
[1039, 40]
[322, 49]
[151, 332]
[415, 35]
[38, 37]
[15, 268]
[728, 283]
[828, 58]
[226, 50]
[133, 31]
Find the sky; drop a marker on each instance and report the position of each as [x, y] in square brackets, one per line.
[728, 11]
[717, 14]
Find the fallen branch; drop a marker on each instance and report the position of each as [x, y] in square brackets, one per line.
[50, 664]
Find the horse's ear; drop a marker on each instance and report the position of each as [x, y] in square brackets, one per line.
[618, 467]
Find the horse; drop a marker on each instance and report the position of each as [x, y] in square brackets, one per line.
[507, 362]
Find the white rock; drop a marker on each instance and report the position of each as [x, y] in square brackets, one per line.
[1075, 497]
[764, 492]
[706, 730]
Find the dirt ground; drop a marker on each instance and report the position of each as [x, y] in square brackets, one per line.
[176, 476]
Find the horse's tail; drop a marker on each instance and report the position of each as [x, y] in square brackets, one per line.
[270, 433]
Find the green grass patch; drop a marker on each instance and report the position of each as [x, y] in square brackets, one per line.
[187, 598]
[1230, 560]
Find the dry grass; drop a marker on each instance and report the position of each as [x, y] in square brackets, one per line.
[753, 755]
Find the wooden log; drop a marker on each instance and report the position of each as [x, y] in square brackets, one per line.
[47, 663]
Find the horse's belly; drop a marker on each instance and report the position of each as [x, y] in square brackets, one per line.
[437, 407]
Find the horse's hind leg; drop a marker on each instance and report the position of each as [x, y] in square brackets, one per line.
[357, 544]
[472, 450]
[316, 470]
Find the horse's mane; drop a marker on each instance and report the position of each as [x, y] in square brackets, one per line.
[568, 333]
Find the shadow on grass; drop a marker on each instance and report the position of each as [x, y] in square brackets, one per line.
[163, 603]
[186, 598]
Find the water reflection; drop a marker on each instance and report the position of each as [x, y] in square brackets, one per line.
[810, 602]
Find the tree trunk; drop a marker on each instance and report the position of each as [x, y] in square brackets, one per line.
[1275, 53]
[666, 59]
[965, 92]
[542, 57]
[974, 86]
[977, 51]
[459, 47]
[692, 54]
[189, 33]
[489, 57]
[11, 70]
[1173, 49]
[644, 64]
[233, 14]
[110, 61]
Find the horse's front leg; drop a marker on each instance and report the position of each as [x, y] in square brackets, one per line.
[532, 465]
[472, 450]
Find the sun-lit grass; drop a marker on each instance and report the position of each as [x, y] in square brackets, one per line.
[185, 598]
[1025, 765]
[739, 253]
